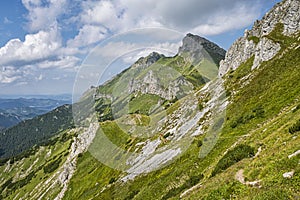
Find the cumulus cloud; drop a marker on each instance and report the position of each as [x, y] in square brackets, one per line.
[43, 13]
[9, 75]
[88, 34]
[61, 62]
[202, 16]
[35, 47]
[49, 44]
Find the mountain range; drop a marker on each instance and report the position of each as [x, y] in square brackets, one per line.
[13, 111]
[203, 124]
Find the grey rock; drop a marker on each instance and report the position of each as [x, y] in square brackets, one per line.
[265, 50]
[287, 13]
[145, 62]
[288, 174]
[194, 48]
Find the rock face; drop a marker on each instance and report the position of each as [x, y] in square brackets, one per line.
[80, 145]
[151, 83]
[194, 48]
[254, 42]
[145, 62]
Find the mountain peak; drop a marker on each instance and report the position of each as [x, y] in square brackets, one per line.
[148, 60]
[195, 48]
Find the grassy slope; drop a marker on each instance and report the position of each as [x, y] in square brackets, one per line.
[23, 177]
[261, 112]
[275, 90]
[259, 116]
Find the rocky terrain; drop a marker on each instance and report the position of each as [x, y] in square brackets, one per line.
[256, 42]
[189, 135]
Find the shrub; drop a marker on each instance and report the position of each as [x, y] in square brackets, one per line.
[112, 180]
[132, 195]
[233, 156]
[192, 181]
[52, 166]
[295, 127]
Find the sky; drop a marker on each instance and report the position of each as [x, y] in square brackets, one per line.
[46, 46]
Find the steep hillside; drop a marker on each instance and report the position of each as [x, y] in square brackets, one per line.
[13, 111]
[139, 96]
[165, 129]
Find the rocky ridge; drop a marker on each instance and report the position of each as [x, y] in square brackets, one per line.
[255, 43]
[195, 48]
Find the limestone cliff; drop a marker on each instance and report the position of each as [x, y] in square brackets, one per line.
[256, 43]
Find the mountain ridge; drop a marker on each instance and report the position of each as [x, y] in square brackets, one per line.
[235, 136]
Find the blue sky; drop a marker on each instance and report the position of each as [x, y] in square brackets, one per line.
[43, 43]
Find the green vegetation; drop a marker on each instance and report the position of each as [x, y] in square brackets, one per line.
[114, 133]
[257, 112]
[233, 156]
[103, 109]
[144, 104]
[52, 166]
[36, 131]
[28, 172]
[254, 39]
[243, 70]
[192, 181]
[295, 127]
[277, 36]
[195, 74]
[229, 190]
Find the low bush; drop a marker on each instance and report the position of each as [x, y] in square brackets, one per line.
[295, 127]
[233, 156]
[52, 166]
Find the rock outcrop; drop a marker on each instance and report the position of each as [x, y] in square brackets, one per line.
[80, 145]
[152, 83]
[145, 62]
[254, 42]
[194, 50]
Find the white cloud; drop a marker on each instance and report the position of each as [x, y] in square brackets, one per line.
[101, 12]
[44, 48]
[61, 62]
[35, 47]
[43, 14]
[88, 34]
[9, 75]
[240, 17]
[205, 17]
[131, 52]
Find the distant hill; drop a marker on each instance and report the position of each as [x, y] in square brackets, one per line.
[13, 111]
[232, 136]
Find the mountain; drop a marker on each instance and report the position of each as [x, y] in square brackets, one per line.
[13, 111]
[164, 129]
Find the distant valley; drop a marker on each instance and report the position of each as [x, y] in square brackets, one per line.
[15, 110]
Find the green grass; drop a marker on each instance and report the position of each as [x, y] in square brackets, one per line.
[144, 104]
[254, 39]
[256, 109]
[31, 175]
[233, 156]
[114, 133]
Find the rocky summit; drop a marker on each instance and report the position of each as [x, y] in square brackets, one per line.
[171, 128]
[196, 48]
